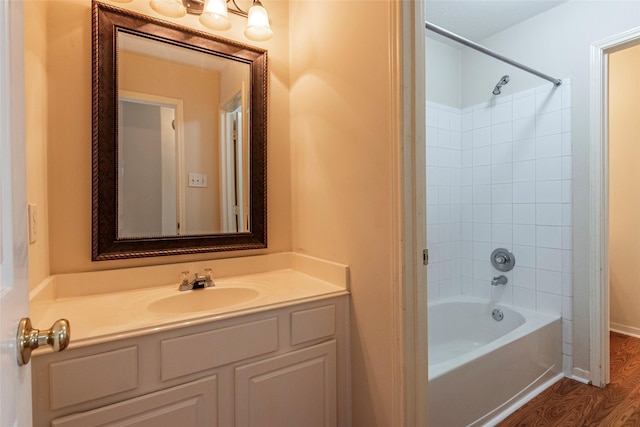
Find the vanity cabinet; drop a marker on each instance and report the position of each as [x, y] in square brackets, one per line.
[287, 366]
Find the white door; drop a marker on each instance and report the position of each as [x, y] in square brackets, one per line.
[15, 393]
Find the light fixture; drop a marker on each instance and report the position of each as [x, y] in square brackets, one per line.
[214, 15]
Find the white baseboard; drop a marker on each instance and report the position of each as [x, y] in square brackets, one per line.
[581, 375]
[624, 330]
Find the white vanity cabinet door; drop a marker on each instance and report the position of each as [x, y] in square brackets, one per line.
[292, 390]
[189, 405]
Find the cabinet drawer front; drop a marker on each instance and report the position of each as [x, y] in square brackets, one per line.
[188, 405]
[206, 350]
[307, 325]
[92, 377]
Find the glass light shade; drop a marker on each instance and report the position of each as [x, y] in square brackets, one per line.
[172, 8]
[215, 16]
[258, 28]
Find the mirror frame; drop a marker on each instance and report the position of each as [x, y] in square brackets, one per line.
[106, 22]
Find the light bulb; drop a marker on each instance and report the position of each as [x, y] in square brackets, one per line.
[172, 8]
[214, 15]
[258, 28]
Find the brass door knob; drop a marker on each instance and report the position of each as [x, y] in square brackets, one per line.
[29, 339]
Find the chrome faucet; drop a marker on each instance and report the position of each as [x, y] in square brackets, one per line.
[198, 281]
[499, 280]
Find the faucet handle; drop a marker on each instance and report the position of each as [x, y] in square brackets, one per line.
[184, 276]
[208, 272]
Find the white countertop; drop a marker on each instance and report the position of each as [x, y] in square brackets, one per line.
[101, 317]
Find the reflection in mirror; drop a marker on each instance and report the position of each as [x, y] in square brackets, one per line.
[179, 157]
[180, 175]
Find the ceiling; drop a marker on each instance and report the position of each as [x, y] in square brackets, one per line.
[478, 19]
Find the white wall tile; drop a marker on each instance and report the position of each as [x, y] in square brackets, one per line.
[482, 288]
[482, 175]
[524, 171]
[481, 194]
[549, 192]
[524, 277]
[467, 121]
[482, 270]
[467, 285]
[567, 214]
[466, 158]
[566, 191]
[501, 133]
[481, 251]
[501, 174]
[548, 100]
[524, 149]
[524, 213]
[524, 298]
[567, 238]
[481, 137]
[482, 156]
[481, 117]
[502, 113]
[524, 128]
[566, 120]
[567, 149]
[502, 233]
[549, 146]
[501, 153]
[502, 194]
[567, 285]
[524, 107]
[482, 214]
[549, 123]
[549, 214]
[444, 138]
[502, 294]
[567, 167]
[501, 213]
[482, 232]
[549, 169]
[549, 259]
[444, 119]
[524, 235]
[466, 140]
[524, 192]
[548, 303]
[525, 256]
[548, 237]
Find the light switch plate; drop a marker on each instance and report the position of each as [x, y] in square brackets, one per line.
[197, 180]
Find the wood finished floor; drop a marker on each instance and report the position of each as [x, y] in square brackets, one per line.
[569, 403]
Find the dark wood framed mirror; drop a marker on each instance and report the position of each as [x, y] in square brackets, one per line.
[179, 139]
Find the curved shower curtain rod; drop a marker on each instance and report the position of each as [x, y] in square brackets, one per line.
[453, 36]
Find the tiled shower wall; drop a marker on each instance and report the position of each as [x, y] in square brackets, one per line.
[499, 175]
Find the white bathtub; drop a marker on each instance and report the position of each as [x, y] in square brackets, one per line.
[481, 369]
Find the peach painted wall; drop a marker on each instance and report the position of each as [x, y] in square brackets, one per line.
[342, 174]
[59, 116]
[37, 120]
[624, 191]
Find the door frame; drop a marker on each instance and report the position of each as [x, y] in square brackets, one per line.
[599, 189]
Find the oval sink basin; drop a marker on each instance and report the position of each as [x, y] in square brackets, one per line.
[203, 300]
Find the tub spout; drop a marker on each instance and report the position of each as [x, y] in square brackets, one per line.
[499, 280]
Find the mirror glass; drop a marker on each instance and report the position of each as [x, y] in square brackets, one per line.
[179, 141]
[182, 141]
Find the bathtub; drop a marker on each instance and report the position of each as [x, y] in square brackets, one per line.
[481, 369]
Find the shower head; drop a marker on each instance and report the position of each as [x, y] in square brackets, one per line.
[503, 81]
